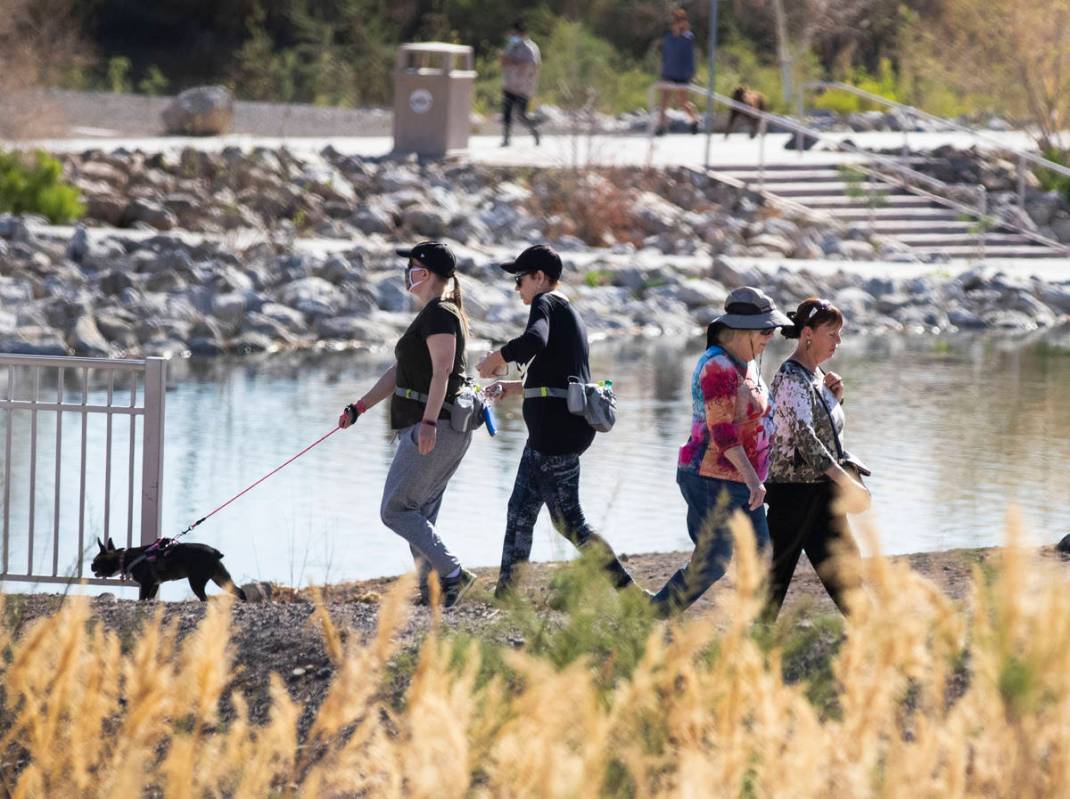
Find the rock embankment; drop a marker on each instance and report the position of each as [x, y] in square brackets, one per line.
[236, 252]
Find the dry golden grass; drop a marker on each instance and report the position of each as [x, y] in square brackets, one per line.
[702, 713]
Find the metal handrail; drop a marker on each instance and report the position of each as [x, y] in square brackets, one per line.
[914, 111]
[899, 169]
[799, 129]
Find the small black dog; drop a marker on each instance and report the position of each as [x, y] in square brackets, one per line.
[168, 561]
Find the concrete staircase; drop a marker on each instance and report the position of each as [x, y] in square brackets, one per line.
[925, 227]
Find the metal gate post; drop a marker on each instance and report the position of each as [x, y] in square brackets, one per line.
[152, 450]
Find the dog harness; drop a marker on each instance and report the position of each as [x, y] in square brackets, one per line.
[157, 548]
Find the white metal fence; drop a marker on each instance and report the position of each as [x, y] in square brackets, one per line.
[105, 397]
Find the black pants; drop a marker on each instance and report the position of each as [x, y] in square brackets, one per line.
[801, 519]
[554, 481]
[510, 101]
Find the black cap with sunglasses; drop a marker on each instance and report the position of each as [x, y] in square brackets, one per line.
[538, 258]
[434, 255]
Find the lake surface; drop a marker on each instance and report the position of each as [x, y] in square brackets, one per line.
[955, 429]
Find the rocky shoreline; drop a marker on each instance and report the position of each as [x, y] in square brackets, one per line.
[238, 252]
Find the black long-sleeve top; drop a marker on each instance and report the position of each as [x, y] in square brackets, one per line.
[555, 342]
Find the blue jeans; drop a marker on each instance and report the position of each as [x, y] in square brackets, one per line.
[710, 504]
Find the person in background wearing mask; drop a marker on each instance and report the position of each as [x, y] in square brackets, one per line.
[677, 66]
[426, 377]
[724, 463]
[520, 77]
[554, 346]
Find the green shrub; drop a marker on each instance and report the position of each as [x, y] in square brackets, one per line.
[154, 82]
[118, 76]
[585, 68]
[885, 83]
[31, 183]
[1054, 181]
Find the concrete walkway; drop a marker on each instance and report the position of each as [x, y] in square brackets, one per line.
[559, 150]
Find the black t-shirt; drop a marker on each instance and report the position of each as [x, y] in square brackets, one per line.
[414, 361]
[557, 340]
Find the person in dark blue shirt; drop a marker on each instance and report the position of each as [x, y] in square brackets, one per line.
[554, 347]
[677, 66]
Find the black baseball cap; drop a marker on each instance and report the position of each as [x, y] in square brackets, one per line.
[435, 255]
[538, 258]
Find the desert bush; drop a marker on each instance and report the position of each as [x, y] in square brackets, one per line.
[702, 710]
[40, 45]
[584, 203]
[32, 183]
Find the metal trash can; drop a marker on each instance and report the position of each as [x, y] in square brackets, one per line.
[433, 85]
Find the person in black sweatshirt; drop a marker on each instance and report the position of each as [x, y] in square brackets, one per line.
[554, 347]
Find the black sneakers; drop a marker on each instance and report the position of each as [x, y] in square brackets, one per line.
[453, 589]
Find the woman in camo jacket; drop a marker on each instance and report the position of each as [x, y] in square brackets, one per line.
[806, 472]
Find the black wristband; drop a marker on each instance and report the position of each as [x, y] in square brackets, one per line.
[352, 412]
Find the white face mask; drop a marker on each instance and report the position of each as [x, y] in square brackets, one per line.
[410, 286]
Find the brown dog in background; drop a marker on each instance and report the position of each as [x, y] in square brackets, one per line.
[755, 100]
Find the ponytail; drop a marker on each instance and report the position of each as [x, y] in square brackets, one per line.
[456, 298]
[795, 331]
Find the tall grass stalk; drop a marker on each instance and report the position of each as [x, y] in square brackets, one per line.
[933, 698]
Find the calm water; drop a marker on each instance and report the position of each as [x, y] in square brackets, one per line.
[955, 429]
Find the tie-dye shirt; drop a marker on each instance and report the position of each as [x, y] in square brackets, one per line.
[730, 408]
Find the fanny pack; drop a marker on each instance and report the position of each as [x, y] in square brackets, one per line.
[466, 410]
[595, 402]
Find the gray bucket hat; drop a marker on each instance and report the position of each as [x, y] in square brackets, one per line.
[748, 308]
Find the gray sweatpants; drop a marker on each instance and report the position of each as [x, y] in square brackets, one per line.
[413, 495]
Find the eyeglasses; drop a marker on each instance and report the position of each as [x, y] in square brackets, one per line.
[520, 278]
[767, 332]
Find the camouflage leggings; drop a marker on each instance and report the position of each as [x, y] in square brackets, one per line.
[554, 481]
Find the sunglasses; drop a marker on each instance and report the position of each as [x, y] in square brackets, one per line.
[520, 278]
[767, 332]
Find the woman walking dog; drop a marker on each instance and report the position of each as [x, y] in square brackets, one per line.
[722, 466]
[422, 386]
[810, 468]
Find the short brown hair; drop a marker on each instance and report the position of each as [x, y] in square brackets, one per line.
[812, 312]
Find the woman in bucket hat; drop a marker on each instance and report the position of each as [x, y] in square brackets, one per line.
[724, 463]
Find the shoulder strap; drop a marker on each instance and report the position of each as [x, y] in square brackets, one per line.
[817, 393]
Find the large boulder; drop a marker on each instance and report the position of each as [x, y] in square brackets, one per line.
[86, 338]
[151, 213]
[312, 296]
[201, 111]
